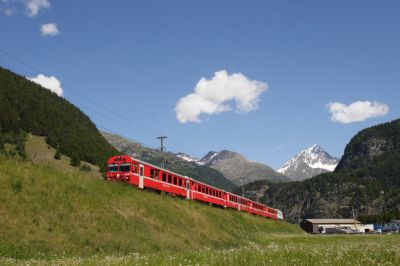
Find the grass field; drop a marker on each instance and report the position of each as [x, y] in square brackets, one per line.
[45, 211]
[277, 250]
[54, 214]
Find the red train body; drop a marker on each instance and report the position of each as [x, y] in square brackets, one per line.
[144, 175]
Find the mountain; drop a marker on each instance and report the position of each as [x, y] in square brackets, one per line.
[366, 180]
[208, 157]
[180, 163]
[187, 158]
[26, 107]
[235, 166]
[308, 163]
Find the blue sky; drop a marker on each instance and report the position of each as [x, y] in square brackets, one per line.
[135, 60]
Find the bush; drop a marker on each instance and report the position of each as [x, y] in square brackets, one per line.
[57, 155]
[85, 168]
[75, 161]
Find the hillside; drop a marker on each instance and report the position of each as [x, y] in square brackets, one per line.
[234, 166]
[26, 106]
[172, 161]
[366, 180]
[47, 211]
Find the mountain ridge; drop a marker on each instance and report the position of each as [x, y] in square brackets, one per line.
[235, 166]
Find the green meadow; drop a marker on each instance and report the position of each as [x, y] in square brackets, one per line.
[55, 214]
[45, 211]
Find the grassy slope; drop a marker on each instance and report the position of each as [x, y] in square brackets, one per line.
[39, 152]
[47, 211]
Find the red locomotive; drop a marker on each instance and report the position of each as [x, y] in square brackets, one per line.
[141, 174]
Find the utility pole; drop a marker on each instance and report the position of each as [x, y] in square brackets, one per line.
[354, 217]
[243, 179]
[162, 149]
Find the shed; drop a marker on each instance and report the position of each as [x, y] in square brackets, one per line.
[317, 226]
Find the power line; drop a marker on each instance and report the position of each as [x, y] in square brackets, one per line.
[38, 71]
[125, 137]
[148, 132]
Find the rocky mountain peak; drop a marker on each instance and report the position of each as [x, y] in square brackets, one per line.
[308, 163]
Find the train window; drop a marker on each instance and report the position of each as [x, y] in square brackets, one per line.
[125, 167]
[179, 182]
[164, 177]
[152, 173]
[157, 175]
[141, 170]
[112, 168]
[175, 180]
[169, 179]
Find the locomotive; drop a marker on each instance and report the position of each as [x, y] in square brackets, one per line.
[141, 174]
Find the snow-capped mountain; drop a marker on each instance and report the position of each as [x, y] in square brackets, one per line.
[308, 163]
[188, 158]
[208, 157]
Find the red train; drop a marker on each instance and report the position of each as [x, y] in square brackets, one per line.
[141, 174]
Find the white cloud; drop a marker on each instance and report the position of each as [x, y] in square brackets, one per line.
[34, 6]
[51, 83]
[357, 111]
[214, 96]
[49, 29]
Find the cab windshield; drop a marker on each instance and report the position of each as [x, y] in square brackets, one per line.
[113, 168]
[126, 167]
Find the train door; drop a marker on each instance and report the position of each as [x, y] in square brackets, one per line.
[141, 178]
[187, 189]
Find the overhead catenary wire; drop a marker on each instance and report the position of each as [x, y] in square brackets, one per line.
[142, 128]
